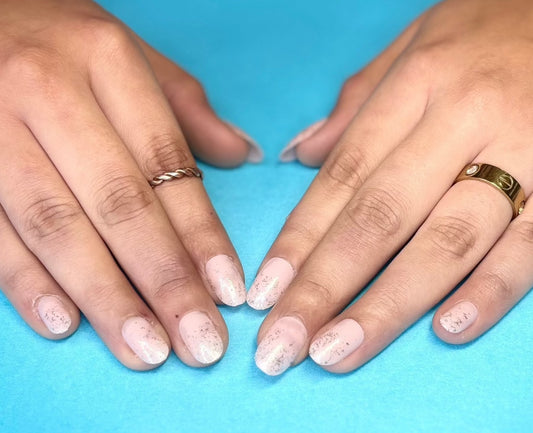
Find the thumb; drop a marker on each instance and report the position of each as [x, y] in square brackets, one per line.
[210, 138]
[312, 146]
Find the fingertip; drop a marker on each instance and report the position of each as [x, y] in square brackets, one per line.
[58, 317]
[311, 155]
[453, 325]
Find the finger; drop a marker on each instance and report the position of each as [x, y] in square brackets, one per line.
[313, 145]
[373, 134]
[379, 219]
[456, 236]
[31, 290]
[460, 231]
[495, 286]
[155, 141]
[121, 205]
[211, 139]
[54, 228]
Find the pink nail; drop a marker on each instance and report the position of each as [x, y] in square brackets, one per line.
[459, 317]
[201, 337]
[337, 343]
[143, 339]
[288, 153]
[255, 154]
[226, 280]
[54, 314]
[270, 283]
[281, 345]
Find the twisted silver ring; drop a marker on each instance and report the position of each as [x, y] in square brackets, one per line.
[177, 174]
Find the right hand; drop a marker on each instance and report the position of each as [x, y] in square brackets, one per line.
[88, 115]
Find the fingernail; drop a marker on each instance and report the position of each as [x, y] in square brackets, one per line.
[270, 283]
[145, 342]
[226, 280]
[459, 317]
[201, 337]
[255, 153]
[337, 343]
[54, 314]
[281, 345]
[288, 153]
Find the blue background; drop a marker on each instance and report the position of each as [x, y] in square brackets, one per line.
[271, 67]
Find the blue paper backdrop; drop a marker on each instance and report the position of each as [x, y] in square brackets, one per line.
[272, 67]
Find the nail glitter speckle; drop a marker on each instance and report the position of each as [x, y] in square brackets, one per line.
[201, 337]
[337, 343]
[280, 346]
[226, 280]
[270, 283]
[459, 317]
[54, 314]
[142, 338]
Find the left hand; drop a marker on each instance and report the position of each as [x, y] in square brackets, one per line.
[454, 89]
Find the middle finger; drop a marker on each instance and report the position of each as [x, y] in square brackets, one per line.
[377, 221]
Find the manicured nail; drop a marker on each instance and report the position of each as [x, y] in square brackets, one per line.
[226, 280]
[270, 283]
[201, 337]
[337, 343]
[281, 345]
[459, 317]
[288, 154]
[255, 153]
[145, 342]
[54, 314]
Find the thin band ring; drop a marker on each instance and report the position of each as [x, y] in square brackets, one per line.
[177, 174]
[499, 179]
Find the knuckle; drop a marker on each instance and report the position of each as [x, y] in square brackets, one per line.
[123, 199]
[346, 169]
[166, 152]
[496, 286]
[301, 231]
[523, 227]
[51, 216]
[173, 280]
[318, 296]
[452, 237]
[388, 303]
[107, 35]
[101, 296]
[34, 67]
[185, 90]
[201, 227]
[378, 212]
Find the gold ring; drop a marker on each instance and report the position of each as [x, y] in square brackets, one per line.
[499, 179]
[177, 174]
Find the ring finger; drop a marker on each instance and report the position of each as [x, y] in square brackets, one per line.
[462, 228]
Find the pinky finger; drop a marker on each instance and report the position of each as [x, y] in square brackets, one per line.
[38, 299]
[503, 278]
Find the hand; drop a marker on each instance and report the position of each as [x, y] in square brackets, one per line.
[454, 89]
[88, 116]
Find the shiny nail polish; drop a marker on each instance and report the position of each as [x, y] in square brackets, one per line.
[288, 153]
[459, 317]
[201, 337]
[145, 342]
[255, 153]
[54, 314]
[337, 343]
[281, 345]
[226, 280]
[274, 277]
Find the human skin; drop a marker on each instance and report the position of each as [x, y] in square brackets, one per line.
[89, 114]
[454, 88]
